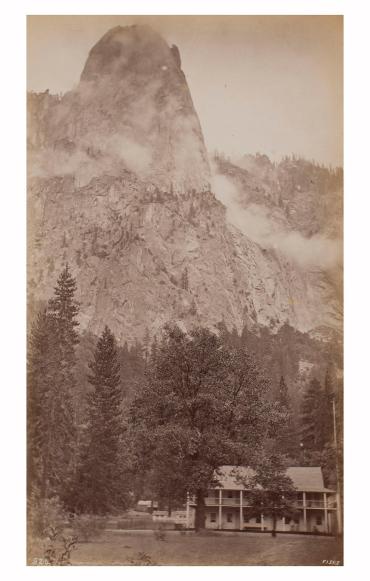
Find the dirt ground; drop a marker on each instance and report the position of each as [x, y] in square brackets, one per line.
[214, 548]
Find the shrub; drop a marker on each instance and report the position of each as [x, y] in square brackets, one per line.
[58, 548]
[141, 559]
[43, 514]
[87, 527]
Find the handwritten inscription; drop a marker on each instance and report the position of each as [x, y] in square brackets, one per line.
[40, 561]
[330, 562]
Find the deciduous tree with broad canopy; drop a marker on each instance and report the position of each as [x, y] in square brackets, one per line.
[203, 405]
[270, 491]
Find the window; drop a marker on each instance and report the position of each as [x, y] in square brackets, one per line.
[229, 494]
[258, 519]
[287, 520]
[213, 517]
[246, 517]
[296, 520]
[319, 520]
[229, 517]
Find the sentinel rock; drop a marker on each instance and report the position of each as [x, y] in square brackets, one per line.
[119, 188]
[132, 110]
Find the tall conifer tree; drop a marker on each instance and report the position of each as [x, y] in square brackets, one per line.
[311, 417]
[327, 407]
[41, 371]
[100, 483]
[287, 437]
[64, 309]
[49, 413]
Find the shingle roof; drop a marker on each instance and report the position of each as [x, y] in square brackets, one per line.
[307, 478]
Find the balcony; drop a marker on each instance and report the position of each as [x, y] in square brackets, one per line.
[214, 501]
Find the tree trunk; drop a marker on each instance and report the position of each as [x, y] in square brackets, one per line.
[200, 513]
[273, 524]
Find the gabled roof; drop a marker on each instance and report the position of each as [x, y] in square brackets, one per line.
[233, 477]
[308, 478]
[305, 478]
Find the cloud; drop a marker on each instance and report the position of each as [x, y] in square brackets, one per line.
[269, 230]
[111, 154]
[136, 157]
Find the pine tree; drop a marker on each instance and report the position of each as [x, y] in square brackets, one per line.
[146, 344]
[49, 413]
[311, 417]
[192, 213]
[244, 336]
[100, 483]
[63, 308]
[327, 407]
[287, 437]
[234, 338]
[283, 396]
[50, 383]
[185, 279]
[154, 348]
[38, 400]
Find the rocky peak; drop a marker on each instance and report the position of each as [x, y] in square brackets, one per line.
[132, 110]
[124, 50]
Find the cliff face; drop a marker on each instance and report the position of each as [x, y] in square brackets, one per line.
[119, 189]
[143, 257]
[304, 196]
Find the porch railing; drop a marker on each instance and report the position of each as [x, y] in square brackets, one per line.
[315, 504]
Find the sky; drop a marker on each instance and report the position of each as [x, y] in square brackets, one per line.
[268, 84]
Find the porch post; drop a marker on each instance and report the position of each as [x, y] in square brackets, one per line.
[220, 508]
[326, 513]
[241, 511]
[262, 522]
[187, 510]
[304, 512]
[284, 523]
[339, 513]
